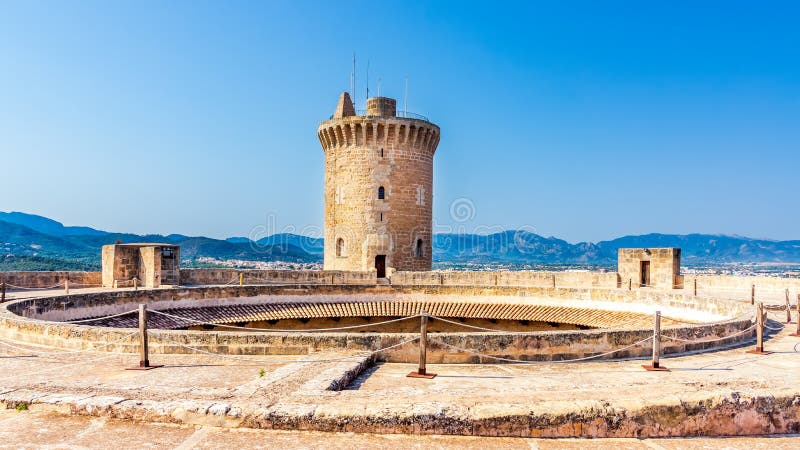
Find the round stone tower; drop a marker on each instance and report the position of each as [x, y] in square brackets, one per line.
[378, 187]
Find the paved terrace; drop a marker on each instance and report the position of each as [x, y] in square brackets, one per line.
[725, 392]
[32, 429]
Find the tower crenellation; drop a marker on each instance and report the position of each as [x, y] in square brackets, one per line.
[378, 187]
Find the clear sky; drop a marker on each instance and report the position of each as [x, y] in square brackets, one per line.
[583, 120]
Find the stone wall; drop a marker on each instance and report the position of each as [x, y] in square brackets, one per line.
[741, 283]
[231, 276]
[533, 346]
[507, 278]
[50, 279]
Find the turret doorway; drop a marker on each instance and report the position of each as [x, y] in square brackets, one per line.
[380, 265]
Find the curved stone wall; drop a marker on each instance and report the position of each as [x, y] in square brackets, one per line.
[555, 345]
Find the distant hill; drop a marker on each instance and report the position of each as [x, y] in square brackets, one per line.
[33, 248]
[314, 246]
[517, 247]
[47, 226]
[40, 242]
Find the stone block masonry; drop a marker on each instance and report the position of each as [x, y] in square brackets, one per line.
[378, 188]
[650, 267]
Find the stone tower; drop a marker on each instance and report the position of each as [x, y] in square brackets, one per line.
[378, 187]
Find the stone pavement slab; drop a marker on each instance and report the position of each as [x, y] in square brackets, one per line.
[36, 430]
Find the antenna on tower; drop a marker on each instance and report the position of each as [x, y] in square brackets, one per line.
[353, 80]
[367, 78]
[405, 101]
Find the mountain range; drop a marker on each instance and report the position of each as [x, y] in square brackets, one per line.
[31, 242]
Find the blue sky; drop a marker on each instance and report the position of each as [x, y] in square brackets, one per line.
[583, 120]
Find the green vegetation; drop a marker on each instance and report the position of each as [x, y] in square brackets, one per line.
[22, 406]
[25, 263]
[261, 373]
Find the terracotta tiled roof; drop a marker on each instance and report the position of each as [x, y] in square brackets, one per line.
[229, 314]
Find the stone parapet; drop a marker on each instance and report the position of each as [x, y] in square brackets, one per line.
[49, 279]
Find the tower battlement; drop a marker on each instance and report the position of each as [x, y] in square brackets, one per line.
[378, 187]
[380, 126]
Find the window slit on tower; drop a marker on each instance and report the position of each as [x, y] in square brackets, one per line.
[381, 193]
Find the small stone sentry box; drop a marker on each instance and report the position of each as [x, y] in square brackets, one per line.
[150, 264]
[650, 267]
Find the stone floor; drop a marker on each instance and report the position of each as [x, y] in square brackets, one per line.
[205, 390]
[31, 429]
[289, 392]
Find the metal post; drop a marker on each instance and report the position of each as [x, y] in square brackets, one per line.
[144, 360]
[423, 349]
[795, 334]
[656, 363]
[66, 287]
[554, 281]
[788, 308]
[3, 292]
[135, 284]
[759, 350]
[144, 350]
[753, 294]
[241, 279]
[630, 283]
[695, 287]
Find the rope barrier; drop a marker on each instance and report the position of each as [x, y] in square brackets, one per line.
[100, 318]
[71, 285]
[521, 332]
[35, 288]
[700, 341]
[349, 327]
[69, 352]
[25, 319]
[773, 328]
[520, 361]
[675, 319]
[473, 326]
[238, 358]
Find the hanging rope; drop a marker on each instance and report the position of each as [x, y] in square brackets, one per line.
[68, 352]
[675, 319]
[352, 358]
[100, 318]
[521, 361]
[35, 288]
[700, 341]
[234, 327]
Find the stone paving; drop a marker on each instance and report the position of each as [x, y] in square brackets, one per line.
[32, 429]
[279, 392]
[724, 392]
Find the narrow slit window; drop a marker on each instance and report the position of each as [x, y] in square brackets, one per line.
[340, 247]
[419, 248]
[381, 193]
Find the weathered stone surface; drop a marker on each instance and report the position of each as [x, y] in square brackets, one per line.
[378, 188]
